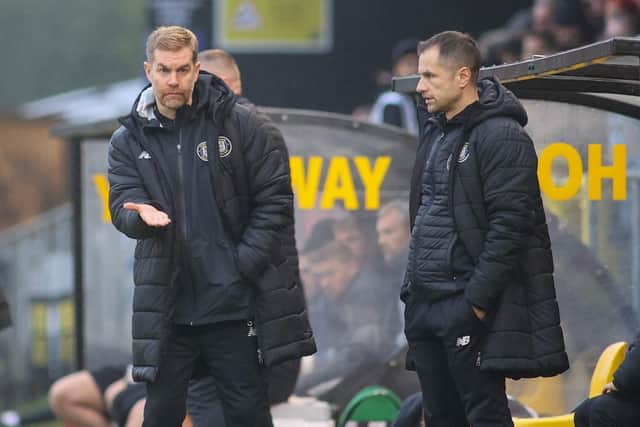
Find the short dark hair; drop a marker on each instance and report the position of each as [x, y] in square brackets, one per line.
[456, 47]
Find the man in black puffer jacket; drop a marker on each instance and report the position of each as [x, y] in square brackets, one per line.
[203, 184]
[479, 291]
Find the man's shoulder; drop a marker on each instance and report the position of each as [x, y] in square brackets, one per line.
[120, 135]
[498, 129]
[243, 113]
[497, 124]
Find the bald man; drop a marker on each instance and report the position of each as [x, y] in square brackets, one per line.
[223, 65]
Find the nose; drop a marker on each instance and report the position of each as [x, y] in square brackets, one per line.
[421, 87]
[173, 79]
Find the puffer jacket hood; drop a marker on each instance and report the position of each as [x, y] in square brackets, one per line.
[496, 101]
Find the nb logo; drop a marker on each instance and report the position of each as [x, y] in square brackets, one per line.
[462, 341]
[144, 155]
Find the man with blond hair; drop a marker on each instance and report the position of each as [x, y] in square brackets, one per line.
[203, 185]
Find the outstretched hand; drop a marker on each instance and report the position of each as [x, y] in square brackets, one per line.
[149, 214]
[480, 314]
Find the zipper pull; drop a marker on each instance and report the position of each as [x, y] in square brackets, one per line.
[179, 147]
[252, 330]
[260, 360]
[478, 359]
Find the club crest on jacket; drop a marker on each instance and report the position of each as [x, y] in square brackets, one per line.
[201, 150]
[464, 153]
[224, 146]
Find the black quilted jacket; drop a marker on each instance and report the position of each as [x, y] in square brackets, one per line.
[498, 214]
[253, 191]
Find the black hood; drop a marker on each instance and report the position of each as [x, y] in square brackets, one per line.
[209, 93]
[496, 101]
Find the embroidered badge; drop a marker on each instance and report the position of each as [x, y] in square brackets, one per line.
[224, 146]
[201, 150]
[464, 153]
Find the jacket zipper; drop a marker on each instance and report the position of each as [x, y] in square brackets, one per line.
[454, 156]
[180, 186]
[183, 210]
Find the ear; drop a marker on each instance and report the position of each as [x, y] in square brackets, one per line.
[464, 77]
[147, 70]
[197, 67]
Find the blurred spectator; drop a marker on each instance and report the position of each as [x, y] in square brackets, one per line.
[393, 234]
[499, 46]
[343, 319]
[349, 231]
[570, 26]
[393, 231]
[620, 19]
[619, 405]
[394, 108]
[537, 18]
[537, 43]
[321, 235]
[78, 398]
[594, 12]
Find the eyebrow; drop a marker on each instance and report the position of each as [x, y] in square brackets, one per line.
[160, 64]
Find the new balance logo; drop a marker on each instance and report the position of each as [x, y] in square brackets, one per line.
[462, 341]
[144, 155]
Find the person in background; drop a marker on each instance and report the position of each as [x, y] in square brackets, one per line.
[619, 403]
[620, 19]
[395, 108]
[537, 43]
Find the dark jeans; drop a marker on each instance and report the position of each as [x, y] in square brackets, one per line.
[445, 341]
[608, 410]
[231, 357]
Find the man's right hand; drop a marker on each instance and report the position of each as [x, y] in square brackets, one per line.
[149, 214]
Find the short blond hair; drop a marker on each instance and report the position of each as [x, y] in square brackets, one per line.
[172, 38]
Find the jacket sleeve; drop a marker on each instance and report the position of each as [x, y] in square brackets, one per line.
[271, 196]
[627, 376]
[125, 185]
[507, 164]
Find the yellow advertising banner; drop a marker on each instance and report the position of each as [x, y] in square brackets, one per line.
[273, 25]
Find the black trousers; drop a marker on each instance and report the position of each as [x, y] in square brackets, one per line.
[608, 410]
[203, 401]
[445, 342]
[231, 357]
